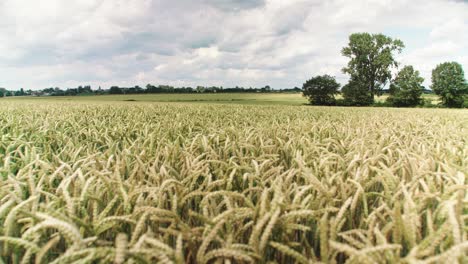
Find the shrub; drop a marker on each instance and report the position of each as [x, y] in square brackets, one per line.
[355, 95]
[321, 90]
[448, 81]
[406, 89]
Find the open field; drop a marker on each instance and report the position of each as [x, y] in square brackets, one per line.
[143, 182]
[222, 98]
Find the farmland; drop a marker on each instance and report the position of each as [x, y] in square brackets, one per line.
[244, 178]
[220, 98]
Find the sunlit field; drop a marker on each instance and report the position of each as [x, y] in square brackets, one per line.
[105, 179]
[220, 98]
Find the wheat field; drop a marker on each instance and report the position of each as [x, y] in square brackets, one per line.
[127, 182]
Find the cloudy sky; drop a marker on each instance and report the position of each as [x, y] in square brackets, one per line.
[279, 43]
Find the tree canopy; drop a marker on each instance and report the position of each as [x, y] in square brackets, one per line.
[448, 81]
[321, 90]
[372, 56]
[354, 94]
[406, 89]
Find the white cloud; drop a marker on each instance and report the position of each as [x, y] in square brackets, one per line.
[206, 42]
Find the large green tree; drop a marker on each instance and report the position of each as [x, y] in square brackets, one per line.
[448, 81]
[372, 57]
[321, 90]
[406, 89]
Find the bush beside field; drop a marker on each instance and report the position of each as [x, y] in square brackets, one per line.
[141, 183]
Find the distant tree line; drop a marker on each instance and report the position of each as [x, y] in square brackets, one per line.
[4, 92]
[149, 89]
[371, 61]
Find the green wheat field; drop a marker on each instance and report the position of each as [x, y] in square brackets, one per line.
[230, 179]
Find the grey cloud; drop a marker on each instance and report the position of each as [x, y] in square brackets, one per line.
[235, 5]
[207, 42]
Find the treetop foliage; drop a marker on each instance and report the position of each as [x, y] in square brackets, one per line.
[448, 81]
[372, 56]
[406, 89]
[321, 90]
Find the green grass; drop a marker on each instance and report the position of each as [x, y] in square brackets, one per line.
[222, 98]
